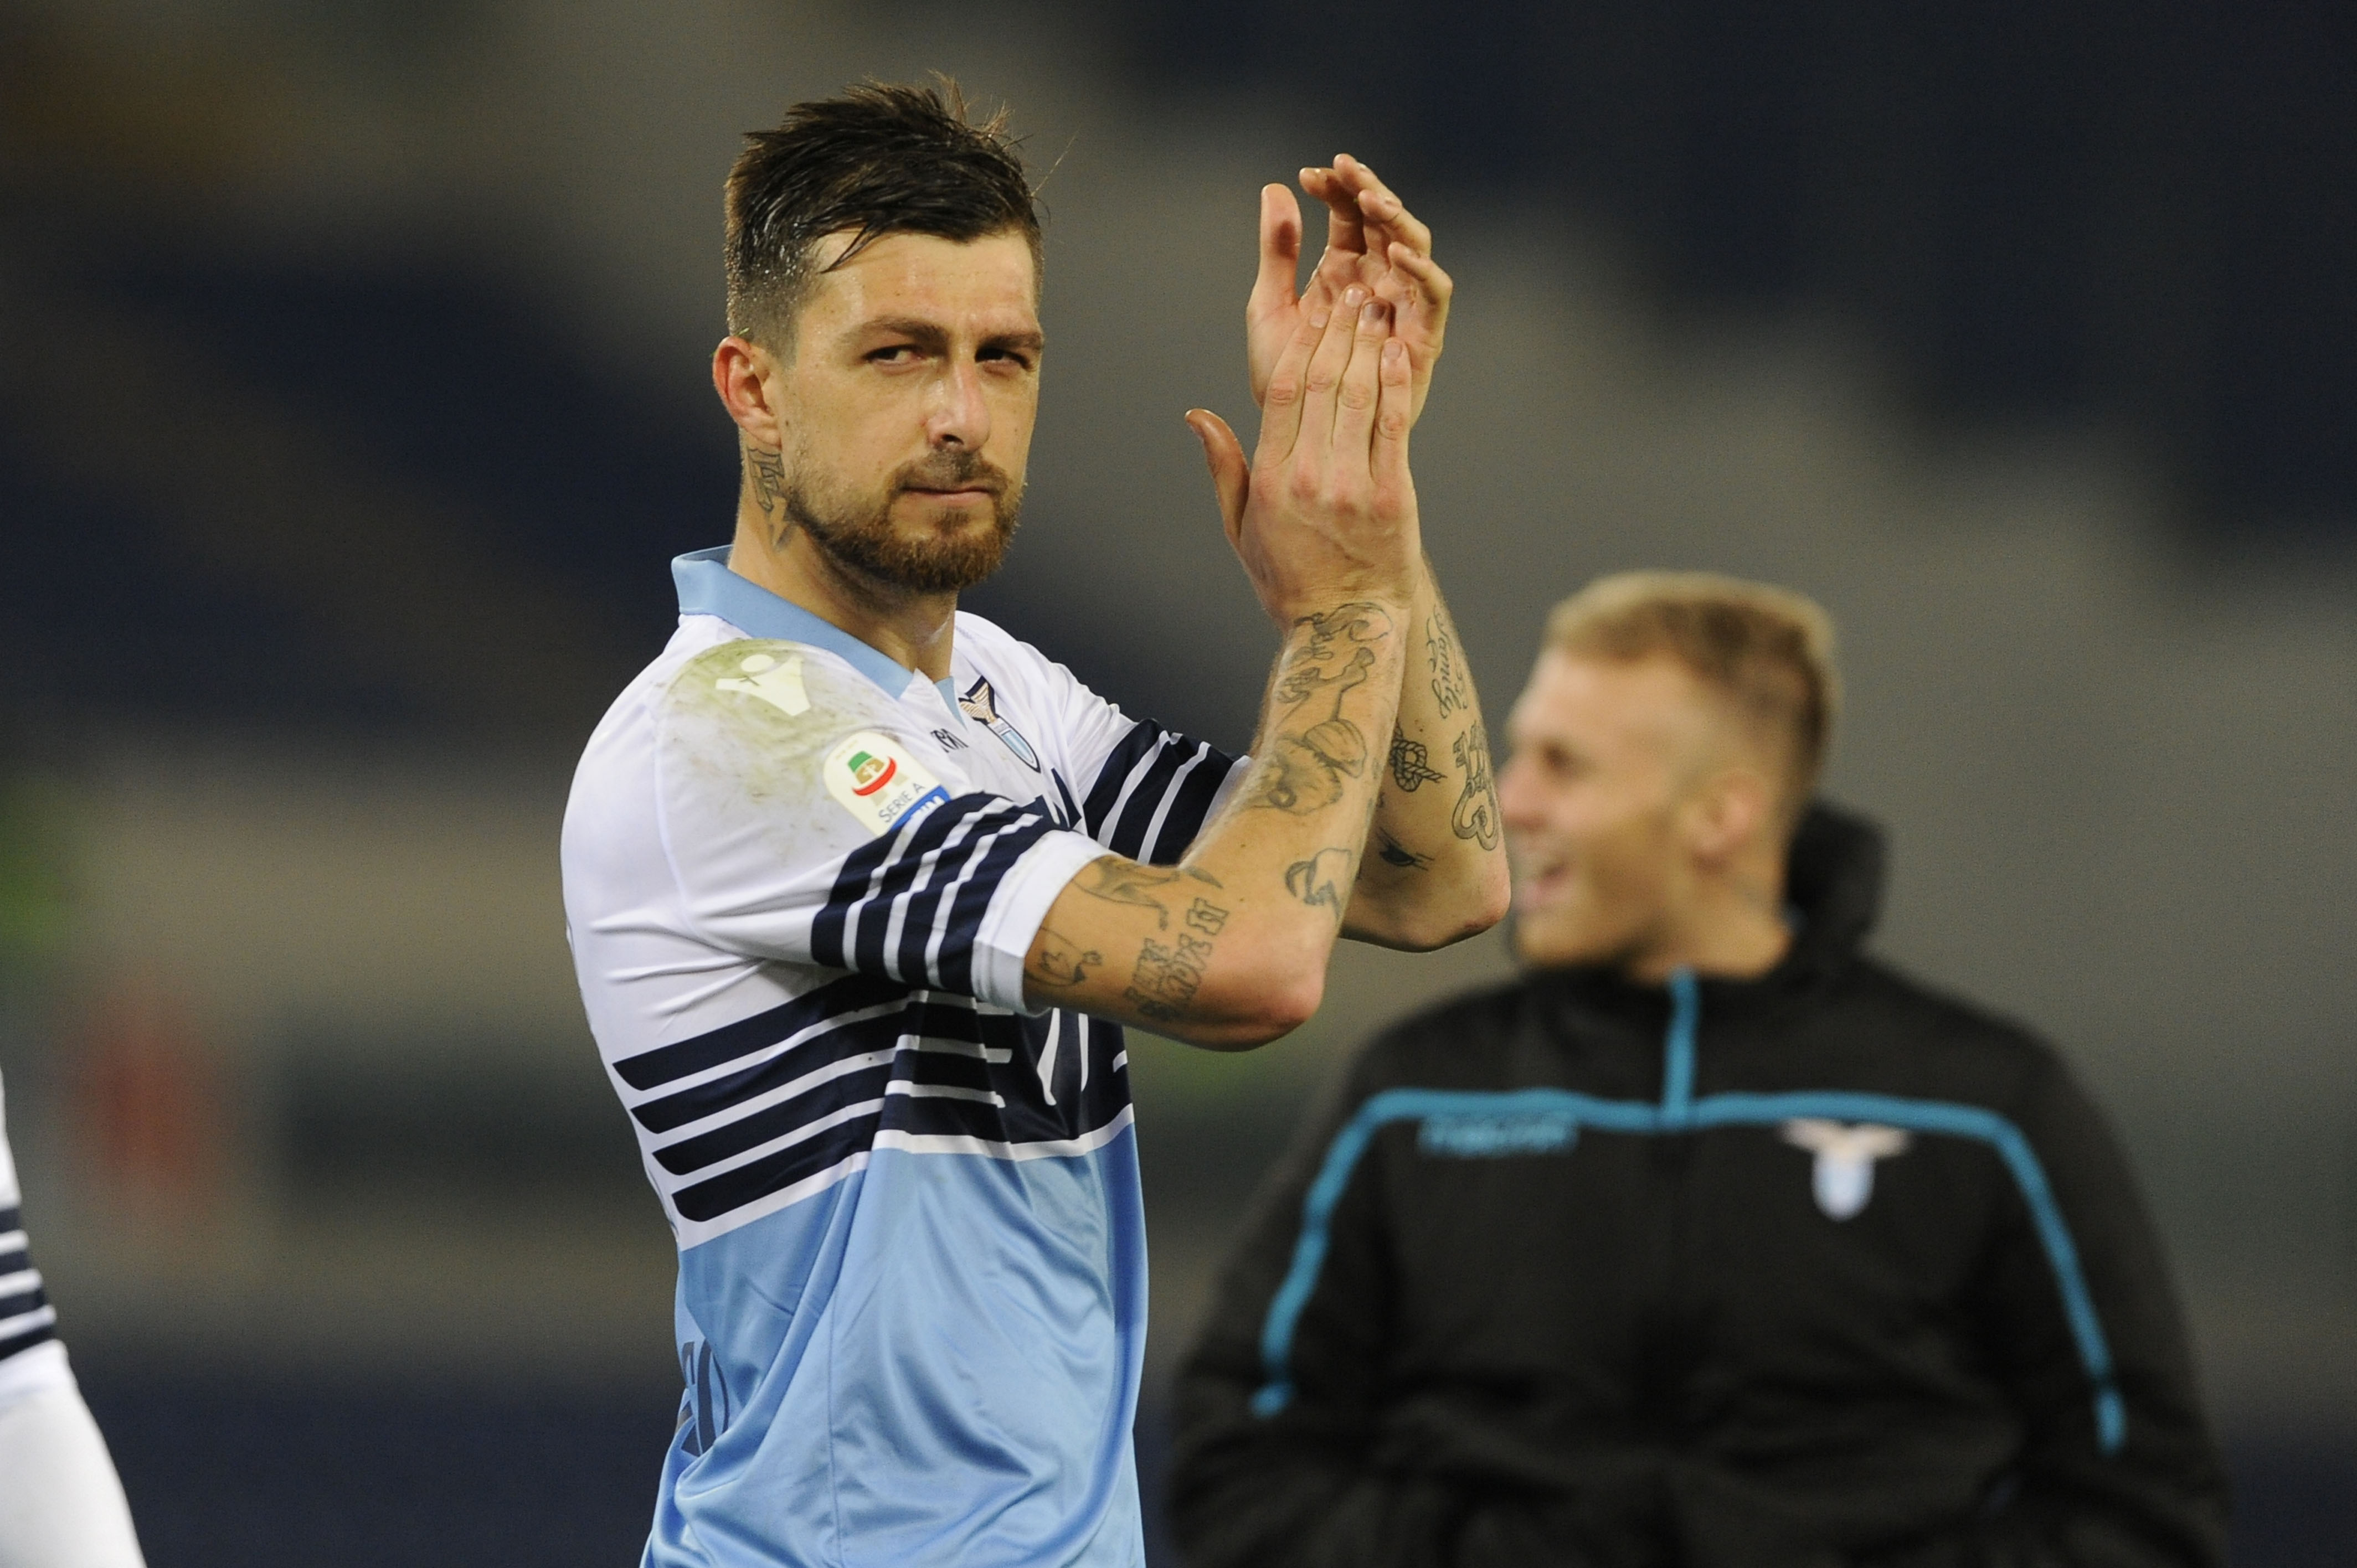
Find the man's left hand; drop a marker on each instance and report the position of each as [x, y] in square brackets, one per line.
[1371, 239]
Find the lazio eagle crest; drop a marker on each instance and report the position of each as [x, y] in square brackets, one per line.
[981, 705]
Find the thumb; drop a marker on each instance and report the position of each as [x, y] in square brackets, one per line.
[1230, 475]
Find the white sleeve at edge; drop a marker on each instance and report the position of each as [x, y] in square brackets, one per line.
[1023, 896]
[61, 1505]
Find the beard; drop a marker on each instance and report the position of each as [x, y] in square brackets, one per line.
[944, 556]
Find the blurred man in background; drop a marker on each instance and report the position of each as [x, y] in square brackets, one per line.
[1713, 1240]
[861, 889]
[61, 1505]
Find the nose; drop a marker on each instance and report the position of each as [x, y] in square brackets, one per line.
[1518, 794]
[960, 415]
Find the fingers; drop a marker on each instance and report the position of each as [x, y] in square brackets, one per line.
[1344, 229]
[1355, 412]
[1230, 476]
[1322, 380]
[1281, 401]
[1423, 284]
[1394, 413]
[1280, 252]
[1379, 205]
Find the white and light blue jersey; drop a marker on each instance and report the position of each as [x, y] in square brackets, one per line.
[801, 882]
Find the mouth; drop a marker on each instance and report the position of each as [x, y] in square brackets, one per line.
[965, 495]
[1540, 881]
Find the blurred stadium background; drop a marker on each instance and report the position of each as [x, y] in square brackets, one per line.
[352, 398]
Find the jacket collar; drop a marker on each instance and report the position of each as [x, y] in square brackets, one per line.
[1833, 883]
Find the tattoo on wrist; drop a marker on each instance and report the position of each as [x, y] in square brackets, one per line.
[1324, 879]
[1166, 978]
[1451, 689]
[1411, 762]
[1390, 852]
[1476, 816]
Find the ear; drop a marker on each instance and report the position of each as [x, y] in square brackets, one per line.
[1727, 814]
[748, 376]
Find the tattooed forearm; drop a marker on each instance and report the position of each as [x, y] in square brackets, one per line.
[1206, 917]
[1062, 962]
[1411, 762]
[1166, 978]
[1321, 880]
[1390, 852]
[1452, 689]
[1313, 749]
[1476, 816]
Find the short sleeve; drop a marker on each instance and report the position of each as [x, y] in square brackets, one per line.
[807, 818]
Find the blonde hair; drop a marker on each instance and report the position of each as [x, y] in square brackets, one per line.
[1766, 651]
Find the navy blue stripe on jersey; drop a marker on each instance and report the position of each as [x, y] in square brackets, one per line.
[943, 1042]
[917, 881]
[982, 860]
[970, 899]
[932, 1044]
[834, 1037]
[15, 1260]
[859, 1079]
[1188, 803]
[17, 1343]
[824, 1149]
[16, 1304]
[1154, 784]
[682, 1058]
[11, 1219]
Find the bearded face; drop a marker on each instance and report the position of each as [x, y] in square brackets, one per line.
[938, 525]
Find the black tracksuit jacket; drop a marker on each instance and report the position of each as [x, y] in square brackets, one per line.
[1820, 1269]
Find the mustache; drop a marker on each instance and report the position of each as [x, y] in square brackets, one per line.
[954, 470]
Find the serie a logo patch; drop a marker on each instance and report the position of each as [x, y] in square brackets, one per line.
[875, 779]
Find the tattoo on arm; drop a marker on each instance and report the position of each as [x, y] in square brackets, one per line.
[1476, 816]
[1450, 687]
[1390, 852]
[1062, 962]
[1119, 881]
[1166, 978]
[1314, 749]
[1411, 762]
[1206, 917]
[1323, 879]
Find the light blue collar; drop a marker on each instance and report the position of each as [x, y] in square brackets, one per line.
[707, 587]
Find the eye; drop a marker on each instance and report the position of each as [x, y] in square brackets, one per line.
[893, 354]
[1015, 358]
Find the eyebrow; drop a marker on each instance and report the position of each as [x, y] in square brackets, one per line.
[932, 335]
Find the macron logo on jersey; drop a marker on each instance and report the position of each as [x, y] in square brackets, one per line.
[873, 777]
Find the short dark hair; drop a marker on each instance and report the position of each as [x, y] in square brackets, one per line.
[884, 158]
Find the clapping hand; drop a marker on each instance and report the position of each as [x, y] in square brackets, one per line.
[1371, 239]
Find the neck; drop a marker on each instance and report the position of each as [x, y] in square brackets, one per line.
[1732, 926]
[916, 630]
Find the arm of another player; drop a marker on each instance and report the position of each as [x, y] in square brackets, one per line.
[1229, 947]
